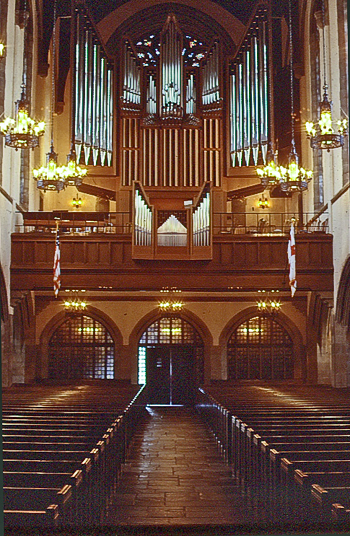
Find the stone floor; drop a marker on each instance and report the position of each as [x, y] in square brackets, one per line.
[175, 475]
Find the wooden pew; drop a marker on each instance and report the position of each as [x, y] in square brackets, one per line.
[259, 425]
[322, 499]
[65, 429]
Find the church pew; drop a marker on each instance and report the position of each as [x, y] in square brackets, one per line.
[296, 479]
[244, 437]
[274, 480]
[36, 427]
[246, 453]
[340, 514]
[32, 518]
[322, 499]
[19, 499]
[301, 498]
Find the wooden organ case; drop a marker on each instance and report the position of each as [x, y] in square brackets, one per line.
[171, 110]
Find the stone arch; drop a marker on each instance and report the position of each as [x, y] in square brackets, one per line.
[342, 313]
[230, 25]
[300, 366]
[4, 305]
[59, 319]
[155, 315]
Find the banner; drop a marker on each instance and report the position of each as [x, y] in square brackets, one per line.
[57, 265]
[291, 261]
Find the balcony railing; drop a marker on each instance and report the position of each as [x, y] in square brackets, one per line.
[74, 223]
[257, 223]
[272, 223]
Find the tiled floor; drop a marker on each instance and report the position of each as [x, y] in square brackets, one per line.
[175, 475]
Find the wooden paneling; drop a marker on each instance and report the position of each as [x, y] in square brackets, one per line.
[253, 261]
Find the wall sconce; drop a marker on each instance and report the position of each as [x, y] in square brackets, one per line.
[268, 304]
[171, 304]
[2, 50]
[77, 202]
[263, 202]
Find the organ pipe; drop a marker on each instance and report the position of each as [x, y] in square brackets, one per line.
[249, 96]
[143, 217]
[211, 89]
[201, 222]
[93, 118]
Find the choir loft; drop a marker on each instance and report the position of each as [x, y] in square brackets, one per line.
[175, 230]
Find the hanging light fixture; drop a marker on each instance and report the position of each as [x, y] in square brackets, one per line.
[22, 132]
[267, 304]
[322, 135]
[74, 173]
[293, 178]
[51, 176]
[269, 174]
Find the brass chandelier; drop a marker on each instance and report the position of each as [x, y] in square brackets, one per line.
[51, 176]
[322, 135]
[22, 132]
[290, 178]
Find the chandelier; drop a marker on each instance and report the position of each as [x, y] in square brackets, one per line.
[171, 304]
[322, 135]
[292, 178]
[269, 174]
[75, 304]
[22, 132]
[51, 176]
[268, 305]
[72, 172]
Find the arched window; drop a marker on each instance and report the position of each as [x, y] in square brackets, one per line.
[171, 331]
[260, 348]
[81, 348]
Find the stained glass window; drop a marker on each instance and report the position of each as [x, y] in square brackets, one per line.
[81, 348]
[260, 348]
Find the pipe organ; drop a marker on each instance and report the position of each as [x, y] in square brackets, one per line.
[171, 70]
[143, 219]
[132, 79]
[130, 115]
[93, 114]
[211, 70]
[201, 220]
[249, 96]
[172, 126]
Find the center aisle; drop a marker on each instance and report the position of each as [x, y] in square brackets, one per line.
[174, 475]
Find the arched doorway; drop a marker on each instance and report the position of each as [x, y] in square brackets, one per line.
[171, 361]
[81, 348]
[260, 348]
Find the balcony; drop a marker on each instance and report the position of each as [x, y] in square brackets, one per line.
[103, 250]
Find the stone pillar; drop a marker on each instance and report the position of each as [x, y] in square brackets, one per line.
[341, 356]
[126, 364]
[218, 366]
[6, 352]
[311, 354]
[30, 365]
